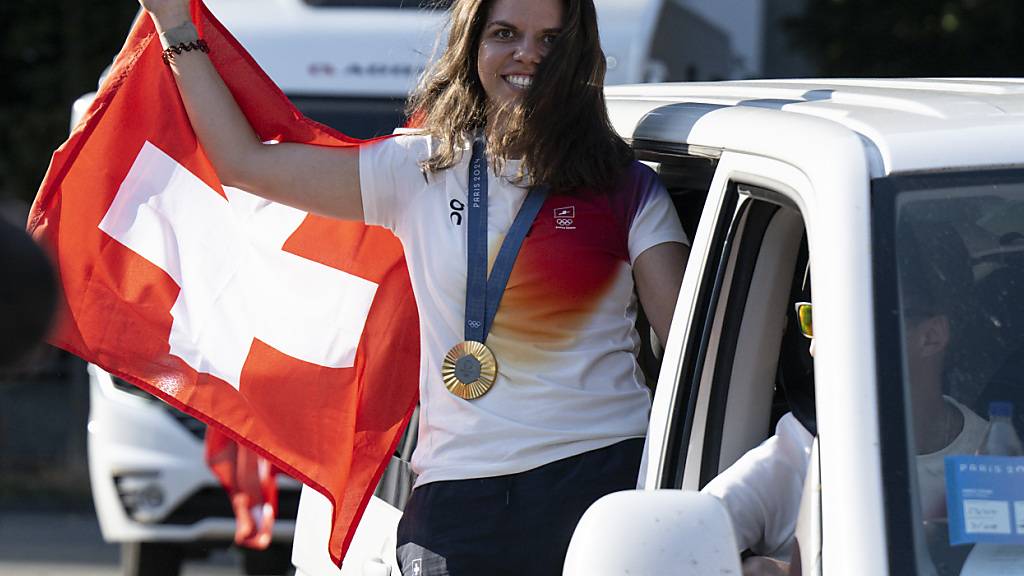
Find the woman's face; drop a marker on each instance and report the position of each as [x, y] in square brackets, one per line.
[516, 37]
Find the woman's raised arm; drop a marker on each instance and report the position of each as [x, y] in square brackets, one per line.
[313, 178]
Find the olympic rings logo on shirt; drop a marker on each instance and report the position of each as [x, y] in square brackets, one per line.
[564, 221]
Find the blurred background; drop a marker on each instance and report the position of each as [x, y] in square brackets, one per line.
[54, 51]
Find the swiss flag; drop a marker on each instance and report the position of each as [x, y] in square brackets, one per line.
[293, 334]
[251, 483]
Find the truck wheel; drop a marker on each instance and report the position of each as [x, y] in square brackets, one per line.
[274, 561]
[151, 559]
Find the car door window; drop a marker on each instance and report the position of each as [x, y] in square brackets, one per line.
[740, 357]
[732, 355]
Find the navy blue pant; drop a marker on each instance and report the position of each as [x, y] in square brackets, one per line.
[516, 524]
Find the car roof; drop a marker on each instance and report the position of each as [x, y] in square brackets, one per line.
[907, 125]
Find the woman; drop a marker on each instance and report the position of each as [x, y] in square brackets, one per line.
[546, 412]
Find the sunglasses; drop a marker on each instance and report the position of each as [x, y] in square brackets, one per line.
[803, 316]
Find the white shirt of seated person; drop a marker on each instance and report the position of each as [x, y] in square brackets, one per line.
[762, 490]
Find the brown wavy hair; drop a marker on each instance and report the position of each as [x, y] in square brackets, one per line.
[560, 127]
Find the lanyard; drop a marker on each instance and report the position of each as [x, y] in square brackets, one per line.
[483, 293]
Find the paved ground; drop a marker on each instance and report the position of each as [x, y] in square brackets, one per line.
[52, 544]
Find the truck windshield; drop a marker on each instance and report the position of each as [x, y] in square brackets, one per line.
[950, 298]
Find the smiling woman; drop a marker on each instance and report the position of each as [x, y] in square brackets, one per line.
[532, 72]
[530, 234]
[515, 41]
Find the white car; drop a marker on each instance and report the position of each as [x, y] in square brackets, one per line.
[895, 207]
[153, 491]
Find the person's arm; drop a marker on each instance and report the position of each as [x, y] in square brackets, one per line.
[312, 178]
[762, 490]
[658, 273]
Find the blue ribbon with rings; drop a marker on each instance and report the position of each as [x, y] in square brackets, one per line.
[470, 369]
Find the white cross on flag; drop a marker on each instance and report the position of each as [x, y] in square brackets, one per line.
[296, 335]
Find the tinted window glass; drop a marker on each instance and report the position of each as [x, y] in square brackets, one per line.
[380, 3]
[958, 245]
[357, 117]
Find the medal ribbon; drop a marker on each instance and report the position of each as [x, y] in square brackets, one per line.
[483, 293]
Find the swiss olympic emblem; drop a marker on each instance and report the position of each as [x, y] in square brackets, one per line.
[565, 218]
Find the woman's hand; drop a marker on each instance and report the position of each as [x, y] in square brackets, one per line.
[311, 178]
[167, 14]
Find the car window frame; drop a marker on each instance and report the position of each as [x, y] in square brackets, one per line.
[697, 346]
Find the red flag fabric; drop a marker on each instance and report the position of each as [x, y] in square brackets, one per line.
[251, 483]
[293, 334]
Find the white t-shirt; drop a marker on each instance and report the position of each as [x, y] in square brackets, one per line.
[564, 337]
[931, 469]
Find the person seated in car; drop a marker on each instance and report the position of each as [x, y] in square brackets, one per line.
[762, 490]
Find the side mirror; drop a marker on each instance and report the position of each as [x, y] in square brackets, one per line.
[652, 533]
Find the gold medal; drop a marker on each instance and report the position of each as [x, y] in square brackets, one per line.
[469, 370]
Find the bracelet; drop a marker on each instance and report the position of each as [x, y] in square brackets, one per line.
[177, 49]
